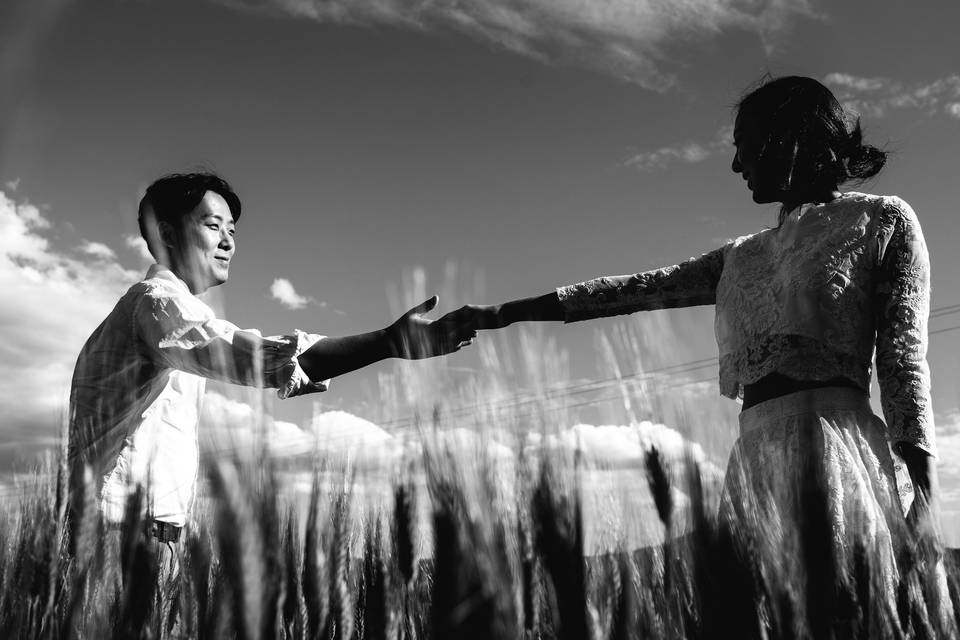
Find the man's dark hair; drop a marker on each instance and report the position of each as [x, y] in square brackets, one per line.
[174, 196]
[806, 130]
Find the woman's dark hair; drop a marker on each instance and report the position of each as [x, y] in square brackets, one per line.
[804, 129]
[173, 196]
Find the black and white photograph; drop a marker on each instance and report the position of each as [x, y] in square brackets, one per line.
[481, 320]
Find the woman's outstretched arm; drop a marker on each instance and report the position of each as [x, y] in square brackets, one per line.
[496, 316]
[687, 284]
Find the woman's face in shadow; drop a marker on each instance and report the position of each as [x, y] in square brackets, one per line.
[754, 162]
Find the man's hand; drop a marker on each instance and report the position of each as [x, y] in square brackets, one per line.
[413, 337]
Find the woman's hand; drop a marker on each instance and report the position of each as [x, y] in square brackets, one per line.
[476, 317]
[924, 514]
[413, 337]
[497, 316]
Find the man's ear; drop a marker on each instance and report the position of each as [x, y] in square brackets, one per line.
[159, 235]
[166, 234]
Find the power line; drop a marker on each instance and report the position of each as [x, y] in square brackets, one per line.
[409, 423]
[944, 330]
[944, 311]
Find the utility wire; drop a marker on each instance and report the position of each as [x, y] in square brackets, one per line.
[410, 423]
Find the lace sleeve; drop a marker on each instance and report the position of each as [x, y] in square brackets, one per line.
[902, 308]
[687, 284]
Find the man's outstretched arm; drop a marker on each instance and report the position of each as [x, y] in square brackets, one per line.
[411, 337]
[183, 333]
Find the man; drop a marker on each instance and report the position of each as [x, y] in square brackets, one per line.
[139, 380]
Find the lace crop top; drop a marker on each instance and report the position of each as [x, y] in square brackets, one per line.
[809, 299]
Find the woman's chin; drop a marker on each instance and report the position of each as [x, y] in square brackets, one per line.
[760, 197]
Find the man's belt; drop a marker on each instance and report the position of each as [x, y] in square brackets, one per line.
[163, 531]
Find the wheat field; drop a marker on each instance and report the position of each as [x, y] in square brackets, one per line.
[456, 541]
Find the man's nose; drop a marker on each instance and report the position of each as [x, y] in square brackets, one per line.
[735, 166]
[226, 240]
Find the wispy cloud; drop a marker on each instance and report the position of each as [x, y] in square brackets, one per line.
[282, 290]
[690, 152]
[97, 250]
[139, 246]
[50, 301]
[878, 96]
[874, 96]
[624, 38]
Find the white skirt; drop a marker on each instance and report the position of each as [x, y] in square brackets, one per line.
[811, 480]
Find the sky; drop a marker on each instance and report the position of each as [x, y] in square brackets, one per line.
[386, 149]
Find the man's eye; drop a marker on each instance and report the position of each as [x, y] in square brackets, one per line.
[213, 226]
[233, 232]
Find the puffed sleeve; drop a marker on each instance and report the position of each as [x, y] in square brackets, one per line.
[902, 311]
[181, 332]
[687, 284]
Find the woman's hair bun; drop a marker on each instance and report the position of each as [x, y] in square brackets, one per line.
[808, 133]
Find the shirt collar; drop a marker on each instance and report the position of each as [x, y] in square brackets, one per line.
[165, 273]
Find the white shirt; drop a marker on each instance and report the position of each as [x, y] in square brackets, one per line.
[138, 387]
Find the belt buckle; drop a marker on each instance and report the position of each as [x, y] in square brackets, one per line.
[164, 531]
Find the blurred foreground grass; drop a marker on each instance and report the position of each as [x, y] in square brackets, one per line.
[502, 564]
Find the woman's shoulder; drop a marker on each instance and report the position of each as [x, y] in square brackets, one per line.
[887, 212]
[748, 239]
[883, 204]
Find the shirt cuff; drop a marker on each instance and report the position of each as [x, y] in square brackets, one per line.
[926, 445]
[572, 298]
[298, 382]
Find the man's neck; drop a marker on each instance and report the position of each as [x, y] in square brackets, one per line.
[181, 274]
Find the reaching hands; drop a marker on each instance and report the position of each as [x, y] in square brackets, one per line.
[542, 308]
[476, 317]
[414, 337]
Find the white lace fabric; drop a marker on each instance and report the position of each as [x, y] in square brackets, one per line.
[812, 299]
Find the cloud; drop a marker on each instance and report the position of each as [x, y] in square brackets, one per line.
[879, 96]
[139, 246]
[97, 250]
[230, 426]
[623, 446]
[282, 290]
[624, 38]
[948, 470]
[875, 96]
[50, 301]
[948, 423]
[690, 152]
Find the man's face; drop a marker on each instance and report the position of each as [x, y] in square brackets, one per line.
[205, 244]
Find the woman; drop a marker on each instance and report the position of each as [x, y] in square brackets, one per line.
[799, 311]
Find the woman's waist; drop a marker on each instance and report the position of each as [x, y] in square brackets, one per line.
[819, 399]
[777, 385]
